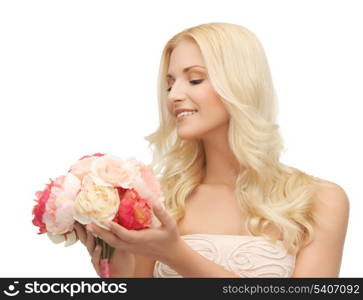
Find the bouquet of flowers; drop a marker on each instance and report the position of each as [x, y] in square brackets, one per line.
[97, 189]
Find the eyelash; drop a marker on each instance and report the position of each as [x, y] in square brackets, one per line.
[194, 82]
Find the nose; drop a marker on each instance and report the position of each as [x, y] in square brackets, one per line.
[176, 93]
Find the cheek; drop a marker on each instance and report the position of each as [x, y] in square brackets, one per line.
[215, 114]
[170, 109]
[213, 108]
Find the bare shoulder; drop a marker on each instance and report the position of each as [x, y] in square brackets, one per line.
[331, 202]
[322, 257]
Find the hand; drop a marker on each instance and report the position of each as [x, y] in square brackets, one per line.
[156, 243]
[122, 263]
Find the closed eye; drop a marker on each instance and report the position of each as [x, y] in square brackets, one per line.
[196, 81]
[193, 82]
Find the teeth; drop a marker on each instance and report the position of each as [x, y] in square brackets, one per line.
[185, 113]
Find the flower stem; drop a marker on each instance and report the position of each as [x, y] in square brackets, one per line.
[103, 249]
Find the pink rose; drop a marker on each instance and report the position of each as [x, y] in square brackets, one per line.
[147, 185]
[83, 166]
[58, 215]
[39, 208]
[110, 170]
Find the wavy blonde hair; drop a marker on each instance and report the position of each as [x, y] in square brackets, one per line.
[268, 192]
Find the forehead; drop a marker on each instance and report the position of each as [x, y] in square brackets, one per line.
[185, 54]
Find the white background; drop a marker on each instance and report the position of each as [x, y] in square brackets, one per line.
[79, 77]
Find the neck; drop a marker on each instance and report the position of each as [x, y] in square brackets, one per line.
[221, 164]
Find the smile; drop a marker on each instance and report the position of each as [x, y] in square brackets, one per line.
[185, 115]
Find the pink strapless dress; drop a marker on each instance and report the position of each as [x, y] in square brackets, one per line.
[247, 256]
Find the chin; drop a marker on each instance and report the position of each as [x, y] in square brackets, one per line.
[188, 135]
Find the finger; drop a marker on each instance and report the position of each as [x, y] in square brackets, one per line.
[108, 236]
[90, 243]
[96, 257]
[163, 216]
[127, 236]
[81, 233]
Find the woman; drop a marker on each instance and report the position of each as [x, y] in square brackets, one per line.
[232, 209]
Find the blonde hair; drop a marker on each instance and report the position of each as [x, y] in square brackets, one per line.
[269, 192]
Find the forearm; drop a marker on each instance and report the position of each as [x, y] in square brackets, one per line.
[189, 263]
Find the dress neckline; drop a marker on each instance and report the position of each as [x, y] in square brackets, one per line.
[228, 235]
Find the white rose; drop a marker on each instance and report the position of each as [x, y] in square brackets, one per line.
[95, 204]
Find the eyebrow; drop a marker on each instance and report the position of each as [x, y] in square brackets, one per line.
[185, 70]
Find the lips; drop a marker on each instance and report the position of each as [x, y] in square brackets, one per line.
[180, 110]
[186, 115]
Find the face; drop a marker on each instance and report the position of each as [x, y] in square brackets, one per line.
[190, 88]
